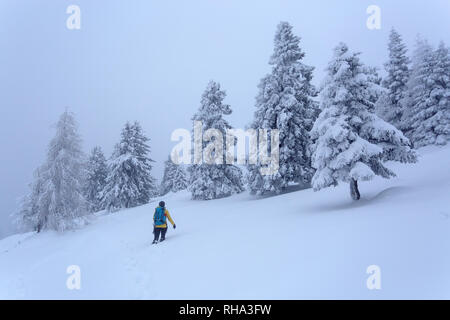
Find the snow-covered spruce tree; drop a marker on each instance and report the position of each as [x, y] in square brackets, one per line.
[350, 142]
[213, 181]
[285, 102]
[428, 118]
[391, 108]
[174, 178]
[129, 182]
[56, 200]
[96, 173]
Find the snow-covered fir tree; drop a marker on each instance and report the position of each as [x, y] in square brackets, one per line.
[174, 178]
[285, 102]
[428, 117]
[56, 200]
[96, 173]
[216, 180]
[390, 107]
[351, 142]
[129, 182]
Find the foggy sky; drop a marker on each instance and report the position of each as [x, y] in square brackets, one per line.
[150, 61]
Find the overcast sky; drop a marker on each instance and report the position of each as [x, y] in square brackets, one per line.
[150, 61]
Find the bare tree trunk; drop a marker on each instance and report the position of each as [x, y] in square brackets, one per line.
[354, 192]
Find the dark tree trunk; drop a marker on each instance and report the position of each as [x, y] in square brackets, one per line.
[41, 223]
[354, 192]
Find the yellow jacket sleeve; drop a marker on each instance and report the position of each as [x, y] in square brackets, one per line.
[169, 217]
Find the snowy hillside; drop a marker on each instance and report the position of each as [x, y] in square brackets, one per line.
[302, 244]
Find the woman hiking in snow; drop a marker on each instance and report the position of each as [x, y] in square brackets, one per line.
[159, 222]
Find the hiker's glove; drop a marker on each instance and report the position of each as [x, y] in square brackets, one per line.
[174, 226]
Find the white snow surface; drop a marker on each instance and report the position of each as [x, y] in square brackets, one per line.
[298, 245]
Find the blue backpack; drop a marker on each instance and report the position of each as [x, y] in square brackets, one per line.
[159, 218]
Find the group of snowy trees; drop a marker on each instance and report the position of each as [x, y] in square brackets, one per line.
[362, 121]
[125, 180]
[417, 91]
[343, 132]
[341, 140]
[67, 186]
[427, 115]
[285, 103]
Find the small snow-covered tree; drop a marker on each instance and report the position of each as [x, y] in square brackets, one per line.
[129, 182]
[28, 216]
[96, 173]
[216, 180]
[351, 142]
[285, 102]
[56, 200]
[174, 178]
[428, 117]
[391, 107]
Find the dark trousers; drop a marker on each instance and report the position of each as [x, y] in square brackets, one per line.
[158, 231]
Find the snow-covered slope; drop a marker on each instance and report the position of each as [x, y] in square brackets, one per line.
[302, 244]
